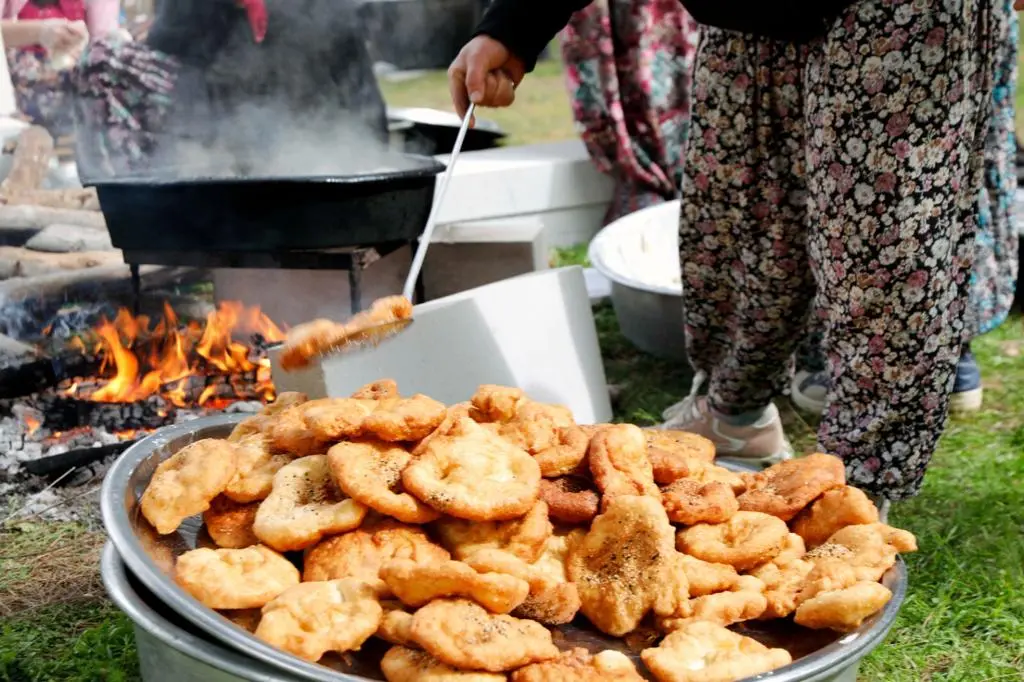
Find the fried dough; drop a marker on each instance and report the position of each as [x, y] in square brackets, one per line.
[186, 483]
[235, 578]
[370, 472]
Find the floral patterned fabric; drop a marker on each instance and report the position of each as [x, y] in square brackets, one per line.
[629, 66]
[848, 167]
[994, 277]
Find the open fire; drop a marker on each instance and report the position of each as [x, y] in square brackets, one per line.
[209, 364]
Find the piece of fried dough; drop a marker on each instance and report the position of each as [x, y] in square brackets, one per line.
[311, 619]
[570, 499]
[833, 511]
[405, 420]
[745, 600]
[746, 540]
[579, 665]
[235, 578]
[702, 473]
[287, 433]
[396, 625]
[618, 461]
[784, 489]
[384, 389]
[689, 503]
[550, 434]
[305, 342]
[463, 634]
[497, 403]
[627, 565]
[553, 600]
[257, 424]
[705, 577]
[332, 419]
[402, 664]
[370, 472]
[524, 537]
[230, 524]
[843, 610]
[783, 582]
[672, 453]
[705, 652]
[472, 473]
[359, 554]
[418, 584]
[186, 483]
[254, 478]
[305, 506]
[870, 548]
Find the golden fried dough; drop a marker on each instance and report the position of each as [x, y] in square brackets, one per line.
[396, 625]
[306, 342]
[783, 582]
[550, 434]
[418, 584]
[702, 473]
[843, 610]
[707, 578]
[705, 652]
[254, 478]
[689, 503]
[870, 548]
[471, 473]
[833, 511]
[627, 565]
[332, 419]
[497, 403]
[463, 634]
[553, 600]
[359, 554]
[674, 453]
[383, 389]
[406, 419]
[257, 424]
[305, 506]
[230, 524]
[401, 664]
[618, 461]
[579, 665]
[235, 578]
[311, 619]
[744, 541]
[370, 472]
[784, 489]
[570, 499]
[185, 484]
[524, 537]
[745, 600]
[287, 433]
[247, 619]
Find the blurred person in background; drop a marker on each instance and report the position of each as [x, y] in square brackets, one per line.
[44, 40]
[996, 257]
[225, 75]
[629, 69]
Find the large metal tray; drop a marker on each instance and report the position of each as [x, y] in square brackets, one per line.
[150, 557]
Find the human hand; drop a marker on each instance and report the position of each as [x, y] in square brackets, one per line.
[485, 73]
[59, 36]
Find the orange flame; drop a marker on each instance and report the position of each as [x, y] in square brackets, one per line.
[32, 423]
[148, 360]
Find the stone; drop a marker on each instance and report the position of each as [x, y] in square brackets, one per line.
[21, 262]
[61, 238]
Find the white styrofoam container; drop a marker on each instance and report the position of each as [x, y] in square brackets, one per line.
[535, 332]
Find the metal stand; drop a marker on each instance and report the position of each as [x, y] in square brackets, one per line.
[351, 260]
[136, 288]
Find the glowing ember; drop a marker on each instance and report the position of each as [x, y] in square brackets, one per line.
[31, 424]
[166, 358]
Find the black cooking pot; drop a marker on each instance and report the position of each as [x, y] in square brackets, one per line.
[269, 214]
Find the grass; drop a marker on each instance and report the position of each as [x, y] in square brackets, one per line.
[963, 619]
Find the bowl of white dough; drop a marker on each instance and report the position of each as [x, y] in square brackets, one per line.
[639, 254]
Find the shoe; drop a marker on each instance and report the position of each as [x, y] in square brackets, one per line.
[763, 442]
[809, 391]
[883, 506]
[967, 391]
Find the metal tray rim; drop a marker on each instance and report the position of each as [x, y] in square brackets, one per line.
[844, 652]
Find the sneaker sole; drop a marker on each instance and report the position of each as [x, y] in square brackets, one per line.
[765, 461]
[805, 404]
[966, 401]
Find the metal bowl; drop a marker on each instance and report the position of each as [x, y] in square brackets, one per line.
[818, 656]
[650, 316]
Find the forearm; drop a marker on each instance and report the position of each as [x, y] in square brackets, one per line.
[21, 33]
[103, 17]
[526, 26]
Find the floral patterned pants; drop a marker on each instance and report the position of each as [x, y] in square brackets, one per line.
[994, 277]
[846, 168]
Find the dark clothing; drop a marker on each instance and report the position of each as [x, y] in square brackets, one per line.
[526, 26]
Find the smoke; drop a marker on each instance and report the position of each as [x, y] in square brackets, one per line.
[303, 103]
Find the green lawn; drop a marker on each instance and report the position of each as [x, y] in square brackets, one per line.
[963, 620]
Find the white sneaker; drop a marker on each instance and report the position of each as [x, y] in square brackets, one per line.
[809, 391]
[764, 442]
